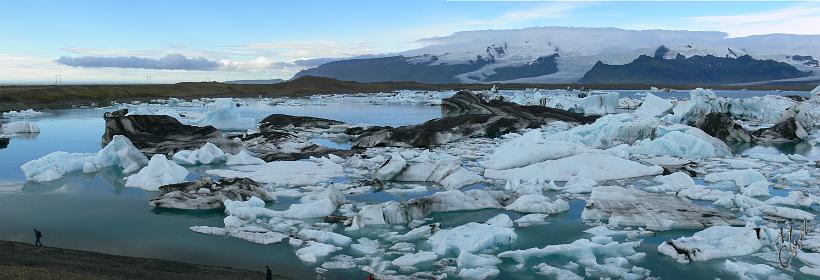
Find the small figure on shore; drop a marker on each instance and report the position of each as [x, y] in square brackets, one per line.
[268, 273]
[370, 277]
[37, 236]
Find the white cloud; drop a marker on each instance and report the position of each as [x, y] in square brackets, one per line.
[799, 19]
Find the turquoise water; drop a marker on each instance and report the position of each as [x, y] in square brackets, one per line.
[96, 212]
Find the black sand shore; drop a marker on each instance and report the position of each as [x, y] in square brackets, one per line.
[24, 261]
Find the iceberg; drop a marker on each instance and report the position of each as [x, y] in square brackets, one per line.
[681, 141]
[324, 237]
[536, 203]
[314, 250]
[28, 113]
[586, 253]
[159, 172]
[599, 104]
[449, 175]
[223, 115]
[713, 243]
[741, 178]
[610, 131]
[243, 158]
[631, 207]
[412, 259]
[285, 173]
[19, 127]
[654, 106]
[531, 148]
[119, 152]
[598, 167]
[474, 237]
[208, 154]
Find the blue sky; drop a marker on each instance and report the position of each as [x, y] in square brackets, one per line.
[262, 39]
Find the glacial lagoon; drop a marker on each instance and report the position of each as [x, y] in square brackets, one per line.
[94, 211]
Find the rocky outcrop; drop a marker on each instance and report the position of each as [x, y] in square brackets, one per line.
[208, 194]
[468, 115]
[160, 134]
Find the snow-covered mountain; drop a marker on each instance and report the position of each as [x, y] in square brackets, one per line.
[560, 54]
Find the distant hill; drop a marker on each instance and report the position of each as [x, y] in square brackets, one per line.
[552, 55]
[701, 70]
[255, 82]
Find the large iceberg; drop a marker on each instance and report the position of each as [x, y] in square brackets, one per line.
[610, 130]
[532, 148]
[449, 175]
[223, 114]
[594, 166]
[208, 154]
[160, 171]
[286, 173]
[681, 141]
[119, 152]
[654, 106]
[713, 242]
[598, 104]
[474, 237]
[19, 127]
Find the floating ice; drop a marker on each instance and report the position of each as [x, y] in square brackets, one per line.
[536, 203]
[598, 167]
[449, 175]
[630, 207]
[673, 182]
[599, 104]
[713, 243]
[19, 127]
[610, 130]
[314, 250]
[159, 172]
[413, 259]
[119, 152]
[222, 114]
[741, 178]
[286, 173]
[474, 237]
[556, 273]
[324, 237]
[796, 199]
[28, 113]
[654, 106]
[586, 253]
[682, 141]
[208, 154]
[531, 148]
[243, 158]
[745, 270]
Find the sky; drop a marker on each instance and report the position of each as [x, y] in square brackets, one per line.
[88, 41]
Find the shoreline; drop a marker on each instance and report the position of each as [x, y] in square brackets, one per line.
[65, 96]
[24, 261]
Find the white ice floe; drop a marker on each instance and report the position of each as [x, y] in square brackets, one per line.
[28, 113]
[754, 207]
[598, 104]
[119, 152]
[585, 253]
[672, 183]
[654, 106]
[741, 178]
[681, 141]
[610, 130]
[159, 172]
[556, 273]
[531, 219]
[713, 243]
[223, 114]
[286, 173]
[531, 148]
[401, 213]
[536, 203]
[243, 158]
[795, 199]
[412, 259]
[631, 207]
[598, 167]
[474, 237]
[766, 109]
[750, 271]
[208, 154]
[324, 237]
[314, 250]
[251, 233]
[19, 127]
[449, 175]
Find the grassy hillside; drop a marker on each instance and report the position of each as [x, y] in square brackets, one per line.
[38, 97]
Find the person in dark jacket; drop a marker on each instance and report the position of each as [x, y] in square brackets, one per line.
[268, 273]
[37, 236]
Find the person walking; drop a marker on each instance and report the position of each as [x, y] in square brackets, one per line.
[37, 236]
[268, 273]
